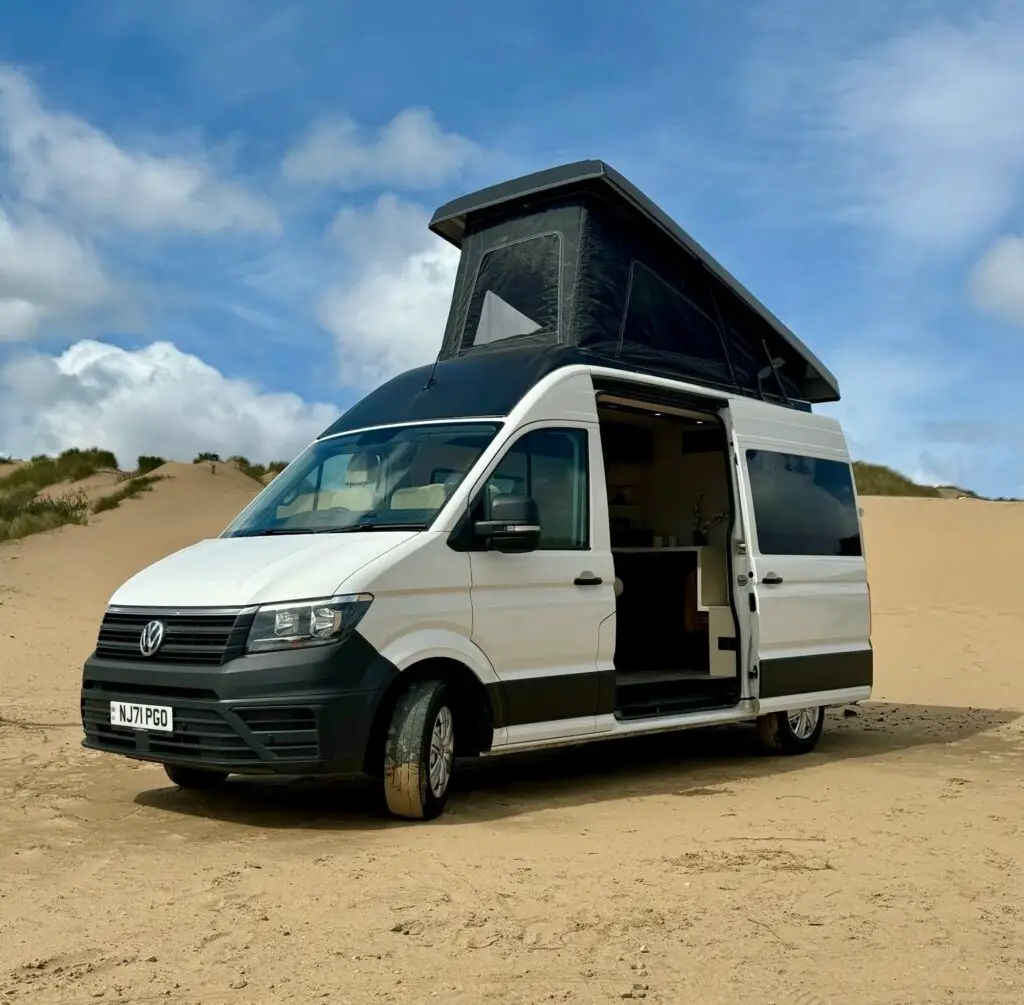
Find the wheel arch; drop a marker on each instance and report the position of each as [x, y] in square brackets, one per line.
[474, 702]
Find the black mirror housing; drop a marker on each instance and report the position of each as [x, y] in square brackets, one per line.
[514, 524]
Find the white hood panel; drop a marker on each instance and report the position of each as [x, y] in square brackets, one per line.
[238, 571]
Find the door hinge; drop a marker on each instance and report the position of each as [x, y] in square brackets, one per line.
[752, 601]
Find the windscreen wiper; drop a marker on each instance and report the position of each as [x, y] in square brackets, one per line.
[375, 526]
[273, 532]
[351, 528]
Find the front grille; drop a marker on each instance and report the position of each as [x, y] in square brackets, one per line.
[193, 638]
[208, 734]
[152, 690]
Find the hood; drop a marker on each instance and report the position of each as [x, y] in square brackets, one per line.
[238, 571]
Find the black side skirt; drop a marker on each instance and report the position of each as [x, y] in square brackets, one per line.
[821, 672]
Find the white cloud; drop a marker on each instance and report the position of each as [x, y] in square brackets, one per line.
[391, 314]
[997, 281]
[410, 151]
[385, 231]
[928, 130]
[62, 162]
[155, 400]
[903, 120]
[45, 274]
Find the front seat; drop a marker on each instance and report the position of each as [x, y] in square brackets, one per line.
[359, 491]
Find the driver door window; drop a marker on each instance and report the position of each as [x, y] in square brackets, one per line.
[550, 465]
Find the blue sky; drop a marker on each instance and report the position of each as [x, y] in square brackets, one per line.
[213, 213]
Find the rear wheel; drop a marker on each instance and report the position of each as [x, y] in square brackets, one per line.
[194, 778]
[419, 753]
[794, 732]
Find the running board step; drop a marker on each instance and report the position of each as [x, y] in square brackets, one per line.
[657, 707]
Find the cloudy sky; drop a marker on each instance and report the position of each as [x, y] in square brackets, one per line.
[213, 212]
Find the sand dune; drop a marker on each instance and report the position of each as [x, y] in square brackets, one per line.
[947, 615]
[94, 487]
[883, 868]
[198, 476]
[65, 577]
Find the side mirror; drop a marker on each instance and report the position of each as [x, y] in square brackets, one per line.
[514, 524]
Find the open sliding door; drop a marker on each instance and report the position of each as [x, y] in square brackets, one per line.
[801, 564]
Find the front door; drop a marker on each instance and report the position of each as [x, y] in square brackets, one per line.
[807, 594]
[538, 615]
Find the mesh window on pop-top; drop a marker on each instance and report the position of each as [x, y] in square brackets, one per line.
[662, 318]
[516, 293]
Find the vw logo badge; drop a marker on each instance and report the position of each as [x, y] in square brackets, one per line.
[152, 638]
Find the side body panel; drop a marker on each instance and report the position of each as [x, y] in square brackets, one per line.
[422, 607]
[549, 639]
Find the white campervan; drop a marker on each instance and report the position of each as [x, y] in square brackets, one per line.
[606, 509]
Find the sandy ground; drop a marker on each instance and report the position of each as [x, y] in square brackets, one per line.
[883, 868]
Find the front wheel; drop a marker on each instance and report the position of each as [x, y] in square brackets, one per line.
[194, 778]
[419, 752]
[795, 732]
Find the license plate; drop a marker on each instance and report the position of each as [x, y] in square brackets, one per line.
[135, 716]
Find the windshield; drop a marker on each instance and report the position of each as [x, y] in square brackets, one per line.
[377, 479]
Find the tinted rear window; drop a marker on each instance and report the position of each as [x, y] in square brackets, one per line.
[803, 505]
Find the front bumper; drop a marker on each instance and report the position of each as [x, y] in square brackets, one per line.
[297, 713]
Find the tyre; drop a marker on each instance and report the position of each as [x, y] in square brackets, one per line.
[794, 732]
[419, 752]
[194, 778]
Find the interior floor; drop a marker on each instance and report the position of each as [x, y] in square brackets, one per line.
[667, 474]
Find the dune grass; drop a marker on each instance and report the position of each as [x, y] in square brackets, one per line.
[128, 490]
[70, 466]
[255, 471]
[22, 513]
[149, 462]
[878, 480]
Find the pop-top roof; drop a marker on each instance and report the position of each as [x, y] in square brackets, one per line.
[450, 222]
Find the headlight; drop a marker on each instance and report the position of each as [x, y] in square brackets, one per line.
[306, 623]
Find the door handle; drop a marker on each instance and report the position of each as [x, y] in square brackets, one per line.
[587, 579]
[771, 579]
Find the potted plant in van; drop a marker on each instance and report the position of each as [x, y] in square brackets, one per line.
[701, 524]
